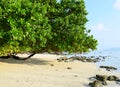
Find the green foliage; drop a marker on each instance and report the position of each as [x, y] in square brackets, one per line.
[38, 25]
[68, 22]
[23, 26]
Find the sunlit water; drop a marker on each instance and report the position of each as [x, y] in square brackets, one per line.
[113, 59]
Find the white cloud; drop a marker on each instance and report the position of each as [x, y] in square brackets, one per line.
[117, 4]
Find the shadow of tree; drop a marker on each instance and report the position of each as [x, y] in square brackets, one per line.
[32, 61]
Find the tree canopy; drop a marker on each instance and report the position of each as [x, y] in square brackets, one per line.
[44, 25]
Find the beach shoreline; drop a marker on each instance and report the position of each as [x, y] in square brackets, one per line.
[43, 70]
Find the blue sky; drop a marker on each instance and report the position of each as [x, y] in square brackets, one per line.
[104, 22]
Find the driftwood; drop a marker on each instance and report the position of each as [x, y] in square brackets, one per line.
[16, 57]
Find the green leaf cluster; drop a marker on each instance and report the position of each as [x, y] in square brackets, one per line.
[68, 22]
[44, 25]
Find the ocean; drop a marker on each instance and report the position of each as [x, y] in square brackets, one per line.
[112, 59]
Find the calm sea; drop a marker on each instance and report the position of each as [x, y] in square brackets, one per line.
[112, 59]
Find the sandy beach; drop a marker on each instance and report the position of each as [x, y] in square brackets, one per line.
[43, 70]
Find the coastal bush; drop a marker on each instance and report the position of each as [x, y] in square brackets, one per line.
[44, 25]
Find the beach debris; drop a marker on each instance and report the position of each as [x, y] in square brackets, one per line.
[103, 79]
[51, 64]
[108, 68]
[69, 68]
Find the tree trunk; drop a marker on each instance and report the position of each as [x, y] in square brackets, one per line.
[17, 57]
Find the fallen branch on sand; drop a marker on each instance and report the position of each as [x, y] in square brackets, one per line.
[17, 57]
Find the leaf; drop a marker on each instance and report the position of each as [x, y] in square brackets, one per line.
[23, 12]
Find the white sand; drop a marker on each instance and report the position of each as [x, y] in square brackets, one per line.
[38, 72]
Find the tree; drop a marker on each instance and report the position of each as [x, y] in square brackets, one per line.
[68, 22]
[38, 26]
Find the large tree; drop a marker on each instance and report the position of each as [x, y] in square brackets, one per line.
[68, 21]
[44, 25]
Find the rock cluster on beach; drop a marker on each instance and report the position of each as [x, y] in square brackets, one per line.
[100, 80]
[82, 58]
[109, 68]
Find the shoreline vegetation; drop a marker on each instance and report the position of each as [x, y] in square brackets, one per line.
[44, 70]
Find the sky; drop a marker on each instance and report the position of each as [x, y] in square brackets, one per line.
[104, 22]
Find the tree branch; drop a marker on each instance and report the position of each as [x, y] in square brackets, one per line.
[17, 57]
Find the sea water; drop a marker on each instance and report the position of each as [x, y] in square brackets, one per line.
[113, 59]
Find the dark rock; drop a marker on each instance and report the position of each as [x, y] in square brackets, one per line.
[83, 60]
[96, 83]
[89, 60]
[51, 64]
[93, 57]
[104, 82]
[112, 78]
[118, 81]
[62, 59]
[101, 77]
[108, 68]
[69, 68]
